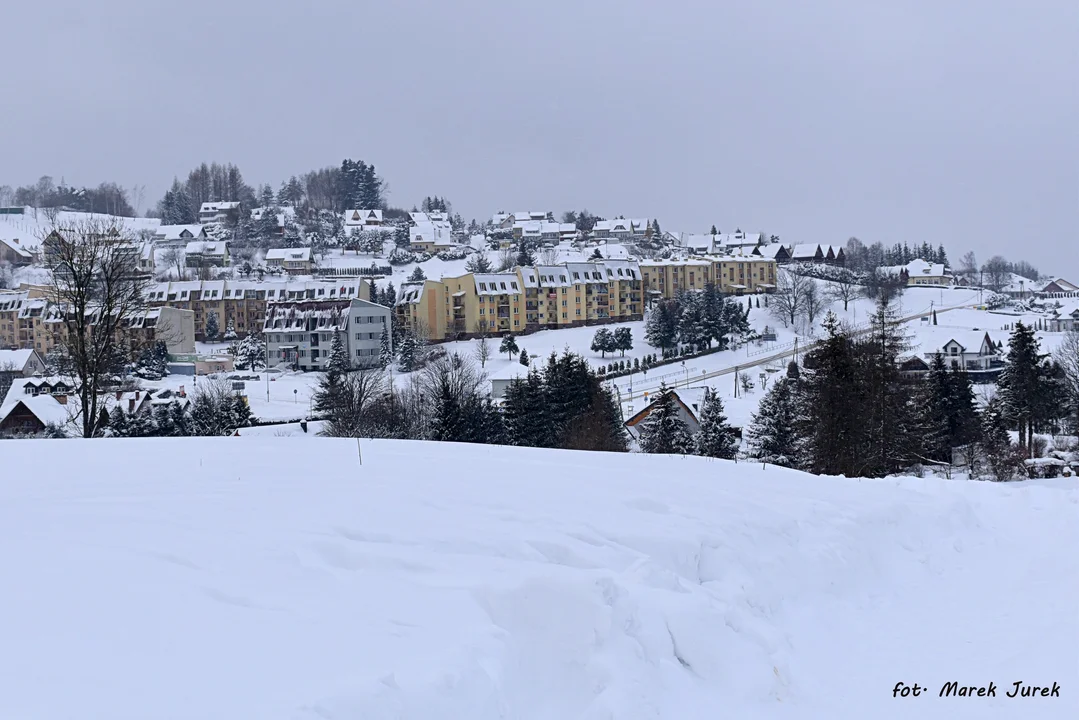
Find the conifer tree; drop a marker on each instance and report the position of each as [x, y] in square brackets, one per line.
[141, 424]
[163, 421]
[385, 354]
[328, 393]
[230, 331]
[623, 340]
[603, 342]
[830, 406]
[241, 414]
[523, 357]
[406, 352]
[251, 353]
[999, 453]
[212, 329]
[774, 430]
[339, 361]
[663, 431]
[509, 346]
[118, 426]
[524, 412]
[478, 263]
[716, 437]
[1018, 383]
[661, 329]
[417, 275]
[180, 420]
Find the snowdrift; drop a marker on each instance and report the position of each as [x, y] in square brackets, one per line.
[283, 578]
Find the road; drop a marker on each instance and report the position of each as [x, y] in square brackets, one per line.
[642, 390]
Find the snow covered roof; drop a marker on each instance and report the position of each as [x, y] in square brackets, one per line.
[179, 232]
[586, 273]
[307, 315]
[770, 251]
[1058, 284]
[276, 289]
[553, 276]
[933, 339]
[206, 247]
[291, 254]
[217, 207]
[917, 268]
[805, 250]
[696, 262]
[429, 232]
[621, 269]
[738, 239]
[362, 217]
[15, 246]
[497, 283]
[15, 358]
[409, 293]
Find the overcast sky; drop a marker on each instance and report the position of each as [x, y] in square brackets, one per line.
[938, 120]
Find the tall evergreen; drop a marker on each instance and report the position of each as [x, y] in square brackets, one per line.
[385, 354]
[212, 328]
[774, 430]
[509, 346]
[661, 329]
[339, 361]
[1018, 383]
[524, 413]
[603, 342]
[406, 352]
[118, 425]
[830, 406]
[716, 437]
[889, 417]
[664, 431]
[623, 340]
[949, 418]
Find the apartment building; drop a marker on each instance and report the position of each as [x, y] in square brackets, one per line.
[243, 302]
[217, 211]
[203, 253]
[523, 300]
[733, 274]
[301, 332]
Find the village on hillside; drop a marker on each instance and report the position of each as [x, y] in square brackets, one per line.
[260, 303]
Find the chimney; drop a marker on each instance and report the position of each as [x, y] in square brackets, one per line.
[119, 395]
[137, 393]
[62, 399]
[131, 406]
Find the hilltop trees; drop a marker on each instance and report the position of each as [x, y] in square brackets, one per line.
[716, 438]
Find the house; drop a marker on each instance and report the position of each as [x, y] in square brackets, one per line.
[969, 350]
[202, 253]
[1065, 316]
[301, 333]
[806, 253]
[773, 251]
[32, 405]
[438, 219]
[211, 212]
[146, 263]
[294, 261]
[1058, 287]
[430, 237]
[688, 402]
[13, 253]
[16, 364]
[282, 216]
[178, 235]
[618, 229]
[363, 218]
[918, 273]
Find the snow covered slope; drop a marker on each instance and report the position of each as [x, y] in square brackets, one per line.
[280, 578]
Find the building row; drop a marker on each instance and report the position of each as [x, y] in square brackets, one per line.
[243, 303]
[540, 297]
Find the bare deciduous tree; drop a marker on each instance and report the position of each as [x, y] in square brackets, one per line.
[815, 301]
[359, 392]
[483, 351]
[506, 260]
[173, 257]
[1067, 355]
[97, 289]
[789, 301]
[844, 287]
[548, 256]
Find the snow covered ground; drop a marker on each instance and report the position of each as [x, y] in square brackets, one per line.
[252, 578]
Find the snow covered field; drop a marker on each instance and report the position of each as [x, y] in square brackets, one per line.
[247, 578]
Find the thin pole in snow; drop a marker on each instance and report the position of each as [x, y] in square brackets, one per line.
[359, 453]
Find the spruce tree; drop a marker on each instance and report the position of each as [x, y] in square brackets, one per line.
[181, 420]
[478, 263]
[891, 435]
[623, 340]
[328, 395]
[996, 443]
[212, 329]
[603, 342]
[241, 414]
[663, 431]
[716, 437]
[661, 328]
[406, 352]
[524, 412]
[417, 275]
[1018, 384]
[164, 422]
[773, 432]
[385, 354]
[509, 346]
[118, 425]
[830, 413]
[339, 361]
[230, 331]
[523, 357]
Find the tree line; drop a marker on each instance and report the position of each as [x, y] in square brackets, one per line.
[849, 410]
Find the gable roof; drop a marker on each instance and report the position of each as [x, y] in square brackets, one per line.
[14, 245]
[16, 358]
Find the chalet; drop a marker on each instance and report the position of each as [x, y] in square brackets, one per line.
[773, 251]
[1058, 287]
[970, 350]
[430, 237]
[363, 218]
[211, 212]
[178, 235]
[688, 401]
[13, 253]
[202, 253]
[919, 273]
[18, 364]
[294, 261]
[1065, 316]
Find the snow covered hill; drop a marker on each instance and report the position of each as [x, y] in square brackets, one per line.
[281, 578]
